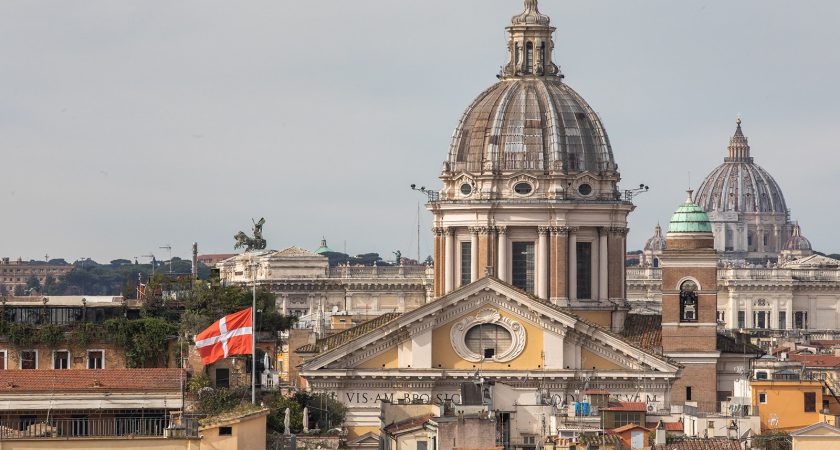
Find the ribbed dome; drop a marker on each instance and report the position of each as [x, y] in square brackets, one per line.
[689, 218]
[797, 242]
[657, 242]
[533, 123]
[739, 184]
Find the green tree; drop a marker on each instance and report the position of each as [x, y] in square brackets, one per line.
[772, 440]
[19, 290]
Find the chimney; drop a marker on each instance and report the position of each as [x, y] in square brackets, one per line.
[661, 435]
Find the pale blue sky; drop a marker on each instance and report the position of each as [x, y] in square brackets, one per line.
[128, 125]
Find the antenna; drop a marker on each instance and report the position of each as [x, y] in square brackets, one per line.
[168, 247]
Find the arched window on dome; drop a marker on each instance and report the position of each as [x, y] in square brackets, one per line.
[529, 57]
[688, 301]
[655, 262]
[517, 55]
[541, 60]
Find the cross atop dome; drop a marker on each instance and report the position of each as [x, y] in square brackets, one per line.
[530, 45]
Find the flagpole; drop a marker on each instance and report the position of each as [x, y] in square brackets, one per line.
[254, 332]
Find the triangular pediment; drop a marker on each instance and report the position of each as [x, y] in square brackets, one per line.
[522, 332]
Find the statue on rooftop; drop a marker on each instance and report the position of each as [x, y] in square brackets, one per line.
[251, 243]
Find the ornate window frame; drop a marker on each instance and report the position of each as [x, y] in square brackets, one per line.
[458, 332]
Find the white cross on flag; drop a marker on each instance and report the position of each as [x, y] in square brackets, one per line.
[230, 335]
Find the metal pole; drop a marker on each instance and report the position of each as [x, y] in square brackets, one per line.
[254, 333]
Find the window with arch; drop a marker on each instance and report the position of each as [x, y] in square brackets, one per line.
[688, 301]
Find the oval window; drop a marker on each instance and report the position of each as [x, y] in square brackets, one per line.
[488, 340]
[585, 189]
[522, 188]
[466, 189]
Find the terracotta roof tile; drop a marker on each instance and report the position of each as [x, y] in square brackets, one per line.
[701, 444]
[644, 330]
[407, 424]
[816, 360]
[628, 427]
[603, 439]
[626, 406]
[669, 426]
[84, 380]
[331, 342]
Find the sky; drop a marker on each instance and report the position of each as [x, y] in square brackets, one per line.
[126, 126]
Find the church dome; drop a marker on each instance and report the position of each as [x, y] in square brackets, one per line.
[689, 218]
[741, 185]
[797, 242]
[530, 120]
[657, 242]
[536, 123]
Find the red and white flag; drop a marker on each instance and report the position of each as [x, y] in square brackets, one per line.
[230, 335]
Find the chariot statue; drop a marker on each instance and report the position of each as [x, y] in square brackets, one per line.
[251, 243]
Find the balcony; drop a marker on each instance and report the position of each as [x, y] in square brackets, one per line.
[98, 427]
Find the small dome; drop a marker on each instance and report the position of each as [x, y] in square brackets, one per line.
[536, 123]
[741, 185]
[797, 242]
[657, 242]
[323, 248]
[689, 218]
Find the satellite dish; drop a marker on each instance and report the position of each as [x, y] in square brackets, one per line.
[774, 421]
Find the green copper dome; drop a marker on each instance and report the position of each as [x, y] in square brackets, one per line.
[689, 218]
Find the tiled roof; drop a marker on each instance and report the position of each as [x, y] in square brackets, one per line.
[644, 330]
[700, 444]
[824, 343]
[626, 406]
[331, 342]
[816, 360]
[234, 416]
[628, 427]
[407, 424]
[90, 380]
[669, 426]
[602, 439]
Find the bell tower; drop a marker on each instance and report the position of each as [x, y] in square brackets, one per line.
[689, 305]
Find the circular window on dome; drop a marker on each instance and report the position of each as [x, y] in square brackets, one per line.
[488, 340]
[585, 189]
[523, 188]
[466, 189]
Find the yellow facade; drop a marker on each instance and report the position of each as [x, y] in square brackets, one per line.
[356, 432]
[385, 360]
[816, 437]
[444, 356]
[246, 432]
[784, 403]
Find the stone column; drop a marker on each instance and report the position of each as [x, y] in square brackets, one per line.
[439, 261]
[572, 263]
[773, 323]
[474, 273]
[748, 315]
[596, 271]
[733, 310]
[502, 266]
[789, 315]
[542, 262]
[616, 273]
[449, 261]
[558, 267]
[603, 264]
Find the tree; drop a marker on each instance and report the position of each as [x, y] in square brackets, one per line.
[33, 283]
[772, 440]
[20, 291]
[3, 289]
[325, 412]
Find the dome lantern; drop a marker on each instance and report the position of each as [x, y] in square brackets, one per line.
[530, 44]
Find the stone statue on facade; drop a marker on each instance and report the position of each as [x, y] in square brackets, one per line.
[251, 243]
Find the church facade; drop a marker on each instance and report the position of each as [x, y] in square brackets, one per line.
[529, 286]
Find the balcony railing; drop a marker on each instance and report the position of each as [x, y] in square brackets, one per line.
[98, 427]
[651, 273]
[418, 271]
